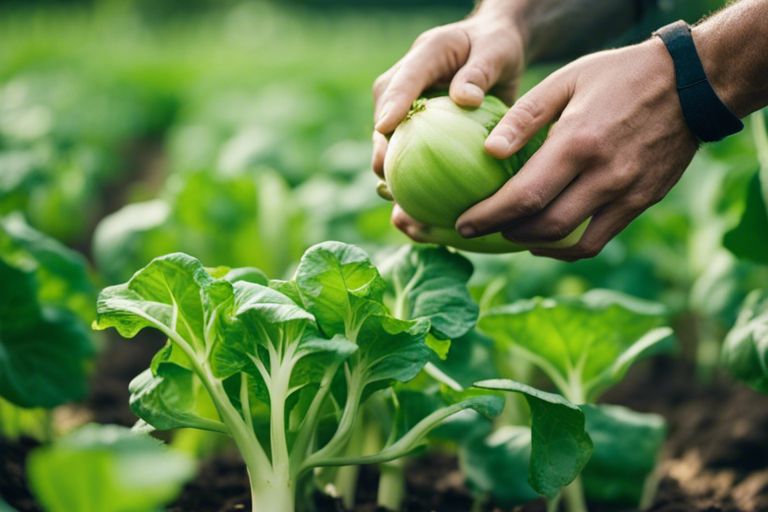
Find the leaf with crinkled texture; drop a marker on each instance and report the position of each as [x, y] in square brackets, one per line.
[44, 352]
[431, 283]
[591, 340]
[107, 469]
[560, 445]
[335, 281]
[745, 352]
[171, 397]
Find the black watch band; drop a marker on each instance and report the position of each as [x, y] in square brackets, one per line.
[706, 115]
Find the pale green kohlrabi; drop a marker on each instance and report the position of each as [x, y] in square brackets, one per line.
[436, 167]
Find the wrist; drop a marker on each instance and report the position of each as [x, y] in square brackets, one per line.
[734, 60]
[716, 66]
[508, 16]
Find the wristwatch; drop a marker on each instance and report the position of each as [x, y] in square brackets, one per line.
[705, 113]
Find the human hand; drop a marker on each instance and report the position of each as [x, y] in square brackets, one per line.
[618, 145]
[482, 53]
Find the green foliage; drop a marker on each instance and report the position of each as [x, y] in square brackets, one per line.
[107, 469]
[560, 445]
[277, 362]
[44, 346]
[627, 446]
[749, 238]
[247, 218]
[583, 344]
[745, 352]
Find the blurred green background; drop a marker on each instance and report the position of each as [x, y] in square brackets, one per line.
[240, 132]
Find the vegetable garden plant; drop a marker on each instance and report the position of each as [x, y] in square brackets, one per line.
[282, 367]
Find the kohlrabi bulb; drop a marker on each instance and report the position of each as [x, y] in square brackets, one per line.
[436, 167]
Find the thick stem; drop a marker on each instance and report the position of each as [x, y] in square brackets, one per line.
[573, 496]
[276, 494]
[554, 503]
[392, 484]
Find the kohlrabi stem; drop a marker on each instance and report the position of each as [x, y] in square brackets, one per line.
[346, 476]
[573, 496]
[392, 484]
[343, 432]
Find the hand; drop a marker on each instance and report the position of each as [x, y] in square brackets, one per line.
[618, 145]
[481, 53]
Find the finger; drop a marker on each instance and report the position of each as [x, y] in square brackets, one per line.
[605, 225]
[541, 179]
[477, 76]
[379, 151]
[580, 200]
[408, 225]
[380, 85]
[419, 69]
[532, 112]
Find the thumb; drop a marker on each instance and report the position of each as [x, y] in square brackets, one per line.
[479, 73]
[529, 114]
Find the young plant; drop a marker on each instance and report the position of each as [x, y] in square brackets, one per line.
[286, 366]
[583, 345]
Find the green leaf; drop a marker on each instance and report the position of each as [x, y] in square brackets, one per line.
[107, 469]
[4, 507]
[62, 274]
[249, 274]
[627, 446]
[173, 293]
[470, 359]
[749, 238]
[745, 352]
[390, 349]
[431, 283]
[263, 317]
[583, 344]
[336, 283]
[172, 398]
[497, 465]
[44, 352]
[560, 445]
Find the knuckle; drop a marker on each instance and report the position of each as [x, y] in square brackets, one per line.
[530, 201]
[526, 111]
[639, 200]
[586, 144]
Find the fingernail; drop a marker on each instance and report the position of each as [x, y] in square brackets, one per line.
[497, 144]
[467, 231]
[472, 92]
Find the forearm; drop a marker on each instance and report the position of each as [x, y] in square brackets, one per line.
[556, 30]
[733, 46]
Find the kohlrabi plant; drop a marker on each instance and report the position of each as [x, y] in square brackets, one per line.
[45, 345]
[283, 368]
[583, 346]
[436, 167]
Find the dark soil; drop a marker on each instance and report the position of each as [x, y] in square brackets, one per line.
[716, 457]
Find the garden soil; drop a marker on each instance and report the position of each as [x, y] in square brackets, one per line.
[716, 457]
